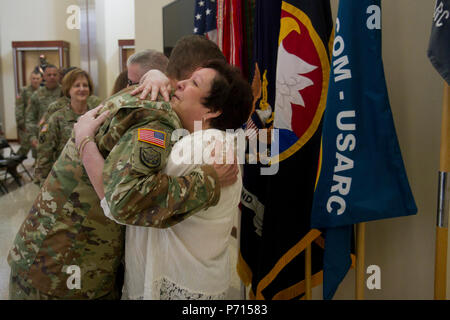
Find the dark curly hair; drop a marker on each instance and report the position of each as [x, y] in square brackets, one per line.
[231, 94]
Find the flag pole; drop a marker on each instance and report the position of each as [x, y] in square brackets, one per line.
[360, 256]
[440, 266]
[308, 285]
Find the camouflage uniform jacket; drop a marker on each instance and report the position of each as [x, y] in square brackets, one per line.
[53, 136]
[39, 102]
[92, 102]
[66, 225]
[21, 105]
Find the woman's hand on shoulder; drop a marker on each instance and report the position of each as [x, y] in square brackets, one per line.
[153, 82]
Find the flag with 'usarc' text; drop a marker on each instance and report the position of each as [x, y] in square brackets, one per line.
[362, 176]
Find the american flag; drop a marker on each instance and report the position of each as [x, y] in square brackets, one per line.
[205, 19]
[251, 130]
[152, 136]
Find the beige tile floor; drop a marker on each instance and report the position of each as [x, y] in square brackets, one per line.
[14, 207]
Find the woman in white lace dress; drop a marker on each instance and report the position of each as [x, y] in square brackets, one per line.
[190, 259]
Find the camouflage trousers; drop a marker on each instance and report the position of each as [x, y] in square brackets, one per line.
[24, 143]
[21, 289]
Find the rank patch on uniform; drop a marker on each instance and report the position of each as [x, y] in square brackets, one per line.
[150, 157]
[44, 128]
[158, 138]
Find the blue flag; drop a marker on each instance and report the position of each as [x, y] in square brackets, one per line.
[439, 47]
[362, 176]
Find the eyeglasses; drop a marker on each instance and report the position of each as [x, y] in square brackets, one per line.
[131, 83]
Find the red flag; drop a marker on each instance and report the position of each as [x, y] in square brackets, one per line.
[229, 30]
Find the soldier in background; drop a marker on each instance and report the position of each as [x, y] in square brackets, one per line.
[39, 102]
[22, 101]
[137, 65]
[61, 102]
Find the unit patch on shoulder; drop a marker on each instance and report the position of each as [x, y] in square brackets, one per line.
[155, 137]
[150, 157]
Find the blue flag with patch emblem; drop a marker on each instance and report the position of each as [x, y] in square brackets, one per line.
[255, 186]
[292, 67]
[362, 175]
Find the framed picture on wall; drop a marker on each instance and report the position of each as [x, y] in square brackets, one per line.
[27, 55]
[126, 49]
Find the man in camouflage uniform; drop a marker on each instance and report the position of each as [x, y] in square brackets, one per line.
[22, 101]
[66, 225]
[39, 102]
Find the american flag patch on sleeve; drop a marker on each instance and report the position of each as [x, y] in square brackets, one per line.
[155, 137]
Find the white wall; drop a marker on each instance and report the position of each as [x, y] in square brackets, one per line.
[115, 20]
[30, 20]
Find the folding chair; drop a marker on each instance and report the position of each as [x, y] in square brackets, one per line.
[9, 165]
[13, 156]
[3, 188]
